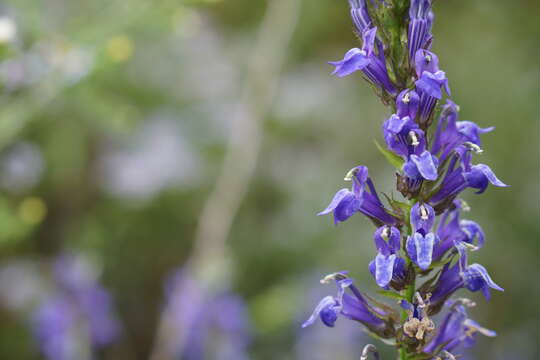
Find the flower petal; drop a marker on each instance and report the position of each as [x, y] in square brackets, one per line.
[425, 61]
[473, 231]
[395, 124]
[387, 240]
[368, 37]
[354, 60]
[426, 165]
[422, 217]
[479, 176]
[384, 267]
[488, 173]
[325, 305]
[340, 195]
[424, 249]
[477, 278]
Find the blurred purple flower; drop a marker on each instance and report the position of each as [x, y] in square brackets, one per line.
[204, 318]
[78, 302]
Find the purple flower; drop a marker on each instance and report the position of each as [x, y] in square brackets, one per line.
[447, 136]
[471, 131]
[426, 61]
[420, 249]
[403, 136]
[457, 179]
[421, 19]
[434, 168]
[363, 198]
[423, 166]
[422, 218]
[407, 103]
[401, 133]
[421, 244]
[451, 230]
[79, 302]
[430, 77]
[194, 315]
[372, 65]
[356, 59]
[78, 280]
[387, 265]
[53, 325]
[480, 176]
[430, 81]
[352, 306]
[474, 277]
[456, 329]
[360, 15]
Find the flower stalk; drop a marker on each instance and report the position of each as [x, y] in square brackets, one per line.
[422, 236]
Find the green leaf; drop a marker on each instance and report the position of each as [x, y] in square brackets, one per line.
[392, 158]
[391, 294]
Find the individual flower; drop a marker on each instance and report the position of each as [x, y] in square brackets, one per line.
[447, 136]
[456, 329]
[458, 179]
[362, 198]
[452, 230]
[352, 305]
[356, 59]
[403, 136]
[387, 265]
[401, 133]
[407, 103]
[429, 84]
[372, 65]
[456, 137]
[422, 217]
[472, 131]
[421, 244]
[461, 275]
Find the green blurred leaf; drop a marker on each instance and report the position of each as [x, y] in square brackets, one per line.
[392, 158]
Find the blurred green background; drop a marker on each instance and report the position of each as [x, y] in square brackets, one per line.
[116, 117]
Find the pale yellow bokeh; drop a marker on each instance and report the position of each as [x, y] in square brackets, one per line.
[32, 210]
[120, 48]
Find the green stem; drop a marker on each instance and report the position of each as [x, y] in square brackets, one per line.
[409, 292]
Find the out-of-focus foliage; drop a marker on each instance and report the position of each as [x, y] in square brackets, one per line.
[114, 118]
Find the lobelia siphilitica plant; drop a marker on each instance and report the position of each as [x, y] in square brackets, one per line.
[423, 235]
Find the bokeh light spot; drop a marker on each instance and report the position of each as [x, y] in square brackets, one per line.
[32, 210]
[120, 48]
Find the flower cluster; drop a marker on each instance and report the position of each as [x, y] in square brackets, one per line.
[424, 233]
